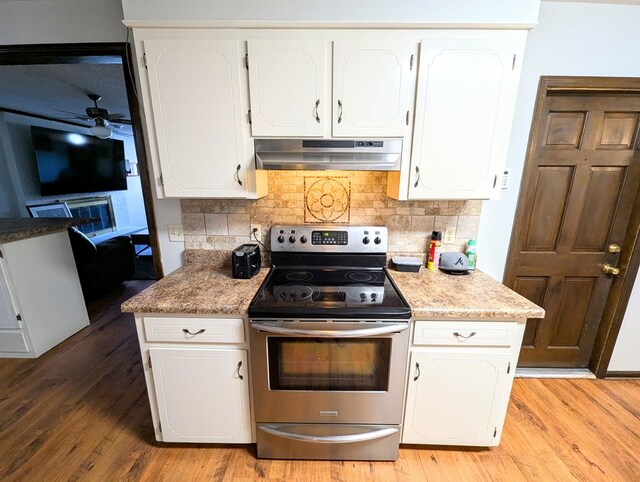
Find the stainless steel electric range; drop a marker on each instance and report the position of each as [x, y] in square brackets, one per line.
[329, 340]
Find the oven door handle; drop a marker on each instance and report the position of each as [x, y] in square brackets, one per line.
[329, 439]
[357, 333]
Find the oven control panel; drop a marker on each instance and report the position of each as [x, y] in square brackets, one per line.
[329, 239]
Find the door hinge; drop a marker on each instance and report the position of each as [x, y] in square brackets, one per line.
[407, 119]
[411, 62]
[513, 64]
[144, 60]
[19, 317]
[495, 431]
[246, 61]
[249, 114]
[161, 180]
[509, 368]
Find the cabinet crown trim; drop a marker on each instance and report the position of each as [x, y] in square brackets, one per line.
[328, 25]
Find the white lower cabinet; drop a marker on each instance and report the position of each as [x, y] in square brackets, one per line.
[454, 398]
[459, 386]
[197, 375]
[202, 394]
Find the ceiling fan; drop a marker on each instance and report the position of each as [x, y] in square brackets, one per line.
[104, 122]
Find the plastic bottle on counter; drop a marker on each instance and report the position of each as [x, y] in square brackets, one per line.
[471, 253]
[434, 250]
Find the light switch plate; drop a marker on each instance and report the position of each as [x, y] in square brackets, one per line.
[449, 235]
[176, 233]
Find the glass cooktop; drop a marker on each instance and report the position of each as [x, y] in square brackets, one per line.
[329, 293]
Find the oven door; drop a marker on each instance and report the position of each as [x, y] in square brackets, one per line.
[328, 372]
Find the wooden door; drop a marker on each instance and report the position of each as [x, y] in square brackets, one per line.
[466, 96]
[371, 88]
[577, 196]
[197, 120]
[201, 395]
[287, 87]
[455, 396]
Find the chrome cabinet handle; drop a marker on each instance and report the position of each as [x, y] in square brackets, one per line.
[238, 370]
[417, 178]
[316, 111]
[277, 430]
[236, 175]
[340, 111]
[362, 332]
[199, 332]
[456, 334]
[415, 379]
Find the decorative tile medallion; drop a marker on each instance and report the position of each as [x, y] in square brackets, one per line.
[327, 199]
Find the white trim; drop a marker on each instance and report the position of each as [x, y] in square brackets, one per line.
[284, 25]
[554, 373]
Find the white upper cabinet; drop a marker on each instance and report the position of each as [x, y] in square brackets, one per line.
[287, 87]
[194, 85]
[466, 96]
[290, 82]
[371, 88]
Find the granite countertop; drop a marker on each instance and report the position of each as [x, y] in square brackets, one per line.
[197, 289]
[434, 294]
[201, 289]
[14, 229]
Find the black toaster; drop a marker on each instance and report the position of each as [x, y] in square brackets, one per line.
[245, 261]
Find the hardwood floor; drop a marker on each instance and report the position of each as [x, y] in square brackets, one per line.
[80, 412]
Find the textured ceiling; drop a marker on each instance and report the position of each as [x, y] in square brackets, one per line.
[49, 89]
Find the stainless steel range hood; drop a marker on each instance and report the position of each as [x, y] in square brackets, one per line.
[328, 154]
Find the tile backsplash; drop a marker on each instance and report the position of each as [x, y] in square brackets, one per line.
[297, 196]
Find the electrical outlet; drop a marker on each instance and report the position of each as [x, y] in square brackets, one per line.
[449, 235]
[258, 230]
[176, 232]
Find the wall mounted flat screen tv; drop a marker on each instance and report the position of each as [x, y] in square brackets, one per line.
[70, 163]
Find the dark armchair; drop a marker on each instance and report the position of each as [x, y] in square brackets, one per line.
[102, 266]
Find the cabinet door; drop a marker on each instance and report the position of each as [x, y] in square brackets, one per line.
[8, 312]
[466, 97]
[371, 85]
[202, 394]
[287, 87]
[456, 397]
[195, 96]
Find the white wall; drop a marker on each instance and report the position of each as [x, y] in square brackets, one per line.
[61, 21]
[436, 11]
[571, 39]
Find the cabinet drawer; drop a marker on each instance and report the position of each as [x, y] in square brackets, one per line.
[464, 333]
[200, 330]
[13, 342]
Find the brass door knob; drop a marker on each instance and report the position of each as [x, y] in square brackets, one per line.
[607, 268]
[614, 248]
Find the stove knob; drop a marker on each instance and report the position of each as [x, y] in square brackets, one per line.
[377, 240]
[292, 239]
[366, 240]
[363, 297]
[303, 239]
[374, 296]
[281, 239]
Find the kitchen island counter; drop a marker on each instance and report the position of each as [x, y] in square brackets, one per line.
[197, 289]
[15, 229]
[434, 294]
